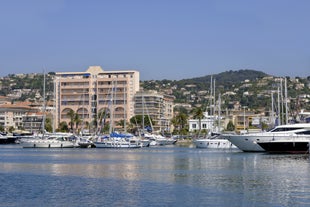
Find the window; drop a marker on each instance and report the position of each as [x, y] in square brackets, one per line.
[194, 126]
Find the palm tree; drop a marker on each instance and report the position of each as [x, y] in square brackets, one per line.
[180, 121]
[77, 121]
[138, 120]
[198, 114]
[101, 119]
[71, 115]
[121, 123]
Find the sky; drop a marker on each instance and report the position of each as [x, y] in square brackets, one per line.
[162, 39]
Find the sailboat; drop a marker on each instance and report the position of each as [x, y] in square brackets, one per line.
[214, 140]
[53, 140]
[115, 139]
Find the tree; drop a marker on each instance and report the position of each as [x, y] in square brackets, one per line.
[48, 125]
[180, 121]
[100, 121]
[1, 128]
[181, 109]
[198, 114]
[63, 127]
[11, 129]
[121, 123]
[138, 121]
[230, 126]
[77, 121]
[71, 115]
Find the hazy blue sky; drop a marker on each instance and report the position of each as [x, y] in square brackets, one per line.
[163, 39]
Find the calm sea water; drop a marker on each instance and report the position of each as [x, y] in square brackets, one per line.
[159, 176]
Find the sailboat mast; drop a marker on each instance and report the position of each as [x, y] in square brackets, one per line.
[285, 94]
[272, 110]
[214, 97]
[44, 104]
[125, 117]
[279, 113]
[112, 108]
[211, 93]
[282, 106]
[143, 111]
[54, 102]
[219, 114]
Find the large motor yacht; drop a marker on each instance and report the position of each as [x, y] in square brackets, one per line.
[249, 142]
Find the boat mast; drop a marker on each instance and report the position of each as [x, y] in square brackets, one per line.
[143, 111]
[279, 114]
[211, 92]
[125, 117]
[214, 97]
[285, 93]
[282, 106]
[111, 107]
[272, 110]
[54, 107]
[44, 104]
[219, 113]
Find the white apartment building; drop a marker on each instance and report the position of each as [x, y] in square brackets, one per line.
[94, 91]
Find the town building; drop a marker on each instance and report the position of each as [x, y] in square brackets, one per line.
[207, 123]
[4, 99]
[95, 95]
[11, 115]
[33, 121]
[157, 106]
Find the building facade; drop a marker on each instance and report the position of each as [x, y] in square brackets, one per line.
[157, 106]
[95, 95]
[11, 115]
[208, 123]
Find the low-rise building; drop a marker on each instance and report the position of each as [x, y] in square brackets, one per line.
[11, 115]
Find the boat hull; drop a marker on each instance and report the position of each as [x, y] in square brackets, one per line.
[117, 143]
[46, 144]
[165, 141]
[214, 144]
[287, 147]
[8, 140]
[248, 143]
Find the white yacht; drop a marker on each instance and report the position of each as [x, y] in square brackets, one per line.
[117, 142]
[157, 139]
[214, 143]
[248, 142]
[49, 142]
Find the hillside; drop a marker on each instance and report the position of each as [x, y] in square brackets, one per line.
[247, 87]
[225, 79]
[254, 93]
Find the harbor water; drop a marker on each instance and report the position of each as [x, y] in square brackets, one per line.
[154, 176]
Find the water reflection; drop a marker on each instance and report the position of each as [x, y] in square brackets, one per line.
[244, 179]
